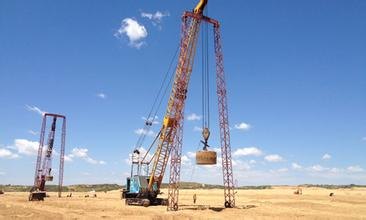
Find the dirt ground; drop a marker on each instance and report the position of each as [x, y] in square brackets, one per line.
[276, 203]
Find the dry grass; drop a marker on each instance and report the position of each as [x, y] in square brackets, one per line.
[276, 203]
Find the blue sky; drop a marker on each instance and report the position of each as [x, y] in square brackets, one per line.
[295, 77]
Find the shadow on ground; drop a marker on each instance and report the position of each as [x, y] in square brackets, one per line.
[215, 209]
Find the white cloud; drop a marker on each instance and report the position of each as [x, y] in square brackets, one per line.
[30, 148]
[142, 131]
[128, 160]
[135, 32]
[349, 173]
[2, 173]
[191, 154]
[5, 153]
[296, 166]
[252, 162]
[336, 170]
[32, 132]
[196, 128]
[35, 109]
[354, 169]
[185, 160]
[318, 168]
[243, 126]
[82, 153]
[25, 147]
[67, 158]
[156, 18]
[102, 95]
[273, 158]
[326, 157]
[143, 153]
[153, 120]
[194, 117]
[91, 160]
[282, 170]
[248, 151]
[240, 165]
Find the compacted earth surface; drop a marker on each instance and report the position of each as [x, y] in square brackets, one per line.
[275, 203]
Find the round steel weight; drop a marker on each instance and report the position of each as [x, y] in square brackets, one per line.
[206, 157]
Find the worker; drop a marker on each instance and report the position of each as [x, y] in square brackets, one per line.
[194, 198]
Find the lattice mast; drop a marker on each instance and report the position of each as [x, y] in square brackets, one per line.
[173, 119]
[44, 157]
[227, 168]
[170, 141]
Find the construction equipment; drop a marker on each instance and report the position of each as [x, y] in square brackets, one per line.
[143, 189]
[44, 173]
[206, 157]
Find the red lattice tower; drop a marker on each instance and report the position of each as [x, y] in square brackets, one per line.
[227, 168]
[41, 157]
[190, 29]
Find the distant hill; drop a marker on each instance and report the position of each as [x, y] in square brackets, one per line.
[96, 187]
[101, 187]
[108, 187]
[183, 185]
[71, 188]
[194, 185]
[329, 186]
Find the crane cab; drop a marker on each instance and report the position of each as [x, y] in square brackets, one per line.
[136, 192]
[135, 185]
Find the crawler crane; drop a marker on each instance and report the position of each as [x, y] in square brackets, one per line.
[143, 189]
[43, 172]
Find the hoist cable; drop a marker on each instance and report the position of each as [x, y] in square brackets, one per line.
[167, 86]
[164, 81]
[148, 123]
[203, 82]
[205, 78]
[208, 79]
[152, 144]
